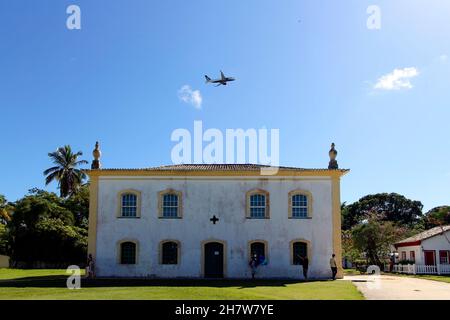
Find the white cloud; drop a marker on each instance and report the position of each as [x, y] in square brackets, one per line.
[397, 79]
[443, 58]
[193, 97]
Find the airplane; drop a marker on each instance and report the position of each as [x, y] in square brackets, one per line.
[222, 81]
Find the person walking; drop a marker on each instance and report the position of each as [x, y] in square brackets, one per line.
[90, 267]
[333, 266]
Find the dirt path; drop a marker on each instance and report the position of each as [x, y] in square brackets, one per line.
[400, 288]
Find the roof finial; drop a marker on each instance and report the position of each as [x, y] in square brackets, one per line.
[333, 153]
[97, 154]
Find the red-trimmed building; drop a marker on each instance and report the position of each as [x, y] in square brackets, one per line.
[431, 247]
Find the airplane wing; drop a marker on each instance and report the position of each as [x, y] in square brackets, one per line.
[223, 76]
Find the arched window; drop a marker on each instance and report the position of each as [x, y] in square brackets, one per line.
[299, 250]
[129, 202]
[128, 252]
[300, 204]
[170, 204]
[169, 252]
[258, 248]
[257, 204]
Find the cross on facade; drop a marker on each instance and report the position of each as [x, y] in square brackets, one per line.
[214, 219]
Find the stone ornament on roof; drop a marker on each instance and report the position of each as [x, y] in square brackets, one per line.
[97, 154]
[333, 153]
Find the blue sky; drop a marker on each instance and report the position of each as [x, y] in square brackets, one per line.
[308, 68]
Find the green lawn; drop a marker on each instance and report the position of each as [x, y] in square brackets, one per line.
[425, 276]
[50, 284]
[6, 274]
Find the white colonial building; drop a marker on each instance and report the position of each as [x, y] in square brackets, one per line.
[198, 221]
[426, 252]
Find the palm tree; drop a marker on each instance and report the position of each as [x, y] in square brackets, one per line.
[5, 210]
[65, 172]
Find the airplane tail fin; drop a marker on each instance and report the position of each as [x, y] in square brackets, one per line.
[208, 79]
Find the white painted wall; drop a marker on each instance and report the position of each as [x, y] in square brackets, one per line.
[416, 249]
[204, 197]
[437, 243]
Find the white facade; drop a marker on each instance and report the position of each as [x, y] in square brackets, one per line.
[438, 245]
[202, 197]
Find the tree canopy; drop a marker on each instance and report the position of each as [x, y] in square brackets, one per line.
[43, 228]
[66, 171]
[373, 238]
[437, 216]
[386, 206]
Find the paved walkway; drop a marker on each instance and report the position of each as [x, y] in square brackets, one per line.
[388, 287]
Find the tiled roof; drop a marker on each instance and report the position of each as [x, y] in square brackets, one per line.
[426, 234]
[217, 167]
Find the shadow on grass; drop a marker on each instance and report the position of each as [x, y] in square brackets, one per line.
[60, 282]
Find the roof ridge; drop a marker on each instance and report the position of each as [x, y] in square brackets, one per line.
[426, 234]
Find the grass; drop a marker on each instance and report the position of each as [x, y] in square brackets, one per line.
[425, 276]
[9, 274]
[351, 272]
[51, 284]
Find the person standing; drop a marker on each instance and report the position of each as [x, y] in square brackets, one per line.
[305, 265]
[253, 264]
[333, 266]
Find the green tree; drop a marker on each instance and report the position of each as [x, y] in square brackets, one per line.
[5, 210]
[78, 204]
[3, 239]
[348, 249]
[373, 238]
[437, 216]
[66, 171]
[43, 229]
[386, 206]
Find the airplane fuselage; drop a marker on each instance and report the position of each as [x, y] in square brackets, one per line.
[221, 81]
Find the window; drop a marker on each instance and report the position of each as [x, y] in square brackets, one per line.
[258, 248]
[170, 204]
[257, 204]
[403, 255]
[128, 253]
[129, 205]
[169, 252]
[299, 250]
[412, 255]
[444, 257]
[300, 204]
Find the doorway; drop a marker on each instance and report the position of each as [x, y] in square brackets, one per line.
[430, 258]
[213, 259]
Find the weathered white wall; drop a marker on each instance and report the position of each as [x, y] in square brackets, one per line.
[416, 249]
[438, 242]
[204, 197]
